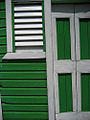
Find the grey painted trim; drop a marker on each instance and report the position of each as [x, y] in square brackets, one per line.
[73, 116]
[1, 118]
[64, 66]
[83, 66]
[49, 59]
[9, 26]
[79, 90]
[29, 55]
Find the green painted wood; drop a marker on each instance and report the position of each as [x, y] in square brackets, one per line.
[63, 39]
[2, 5]
[23, 108]
[25, 115]
[23, 75]
[2, 14]
[3, 41]
[88, 38]
[84, 39]
[23, 66]
[25, 99]
[2, 23]
[3, 49]
[23, 91]
[23, 83]
[1, 56]
[85, 93]
[69, 92]
[62, 93]
[65, 92]
[2, 32]
[67, 43]
[70, 1]
[60, 39]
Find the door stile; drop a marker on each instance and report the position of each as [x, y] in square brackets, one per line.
[64, 66]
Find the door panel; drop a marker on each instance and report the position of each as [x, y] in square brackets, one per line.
[71, 54]
[85, 92]
[63, 38]
[84, 38]
[65, 92]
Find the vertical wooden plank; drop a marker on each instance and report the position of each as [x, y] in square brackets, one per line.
[62, 92]
[84, 92]
[89, 39]
[69, 92]
[83, 39]
[66, 36]
[89, 93]
[60, 39]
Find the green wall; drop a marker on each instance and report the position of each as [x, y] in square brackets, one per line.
[70, 1]
[23, 83]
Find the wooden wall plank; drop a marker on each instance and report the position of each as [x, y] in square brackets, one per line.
[22, 66]
[2, 23]
[23, 108]
[25, 115]
[25, 99]
[2, 14]
[23, 83]
[3, 49]
[23, 91]
[23, 75]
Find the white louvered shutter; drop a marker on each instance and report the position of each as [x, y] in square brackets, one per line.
[28, 27]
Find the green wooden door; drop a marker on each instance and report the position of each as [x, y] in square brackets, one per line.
[71, 24]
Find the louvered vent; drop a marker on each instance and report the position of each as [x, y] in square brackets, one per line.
[28, 27]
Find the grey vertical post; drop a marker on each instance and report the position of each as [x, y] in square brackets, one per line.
[49, 59]
[9, 26]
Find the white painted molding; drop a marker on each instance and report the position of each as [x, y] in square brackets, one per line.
[31, 55]
[49, 59]
[9, 26]
[73, 116]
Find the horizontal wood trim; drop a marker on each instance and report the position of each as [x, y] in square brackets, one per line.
[23, 91]
[22, 66]
[25, 99]
[23, 83]
[24, 108]
[73, 116]
[27, 55]
[25, 115]
[3, 49]
[23, 75]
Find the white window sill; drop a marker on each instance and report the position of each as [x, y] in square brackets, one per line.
[31, 55]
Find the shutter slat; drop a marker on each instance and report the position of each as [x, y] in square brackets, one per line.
[29, 37]
[28, 26]
[17, 32]
[28, 20]
[28, 8]
[28, 14]
[39, 43]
